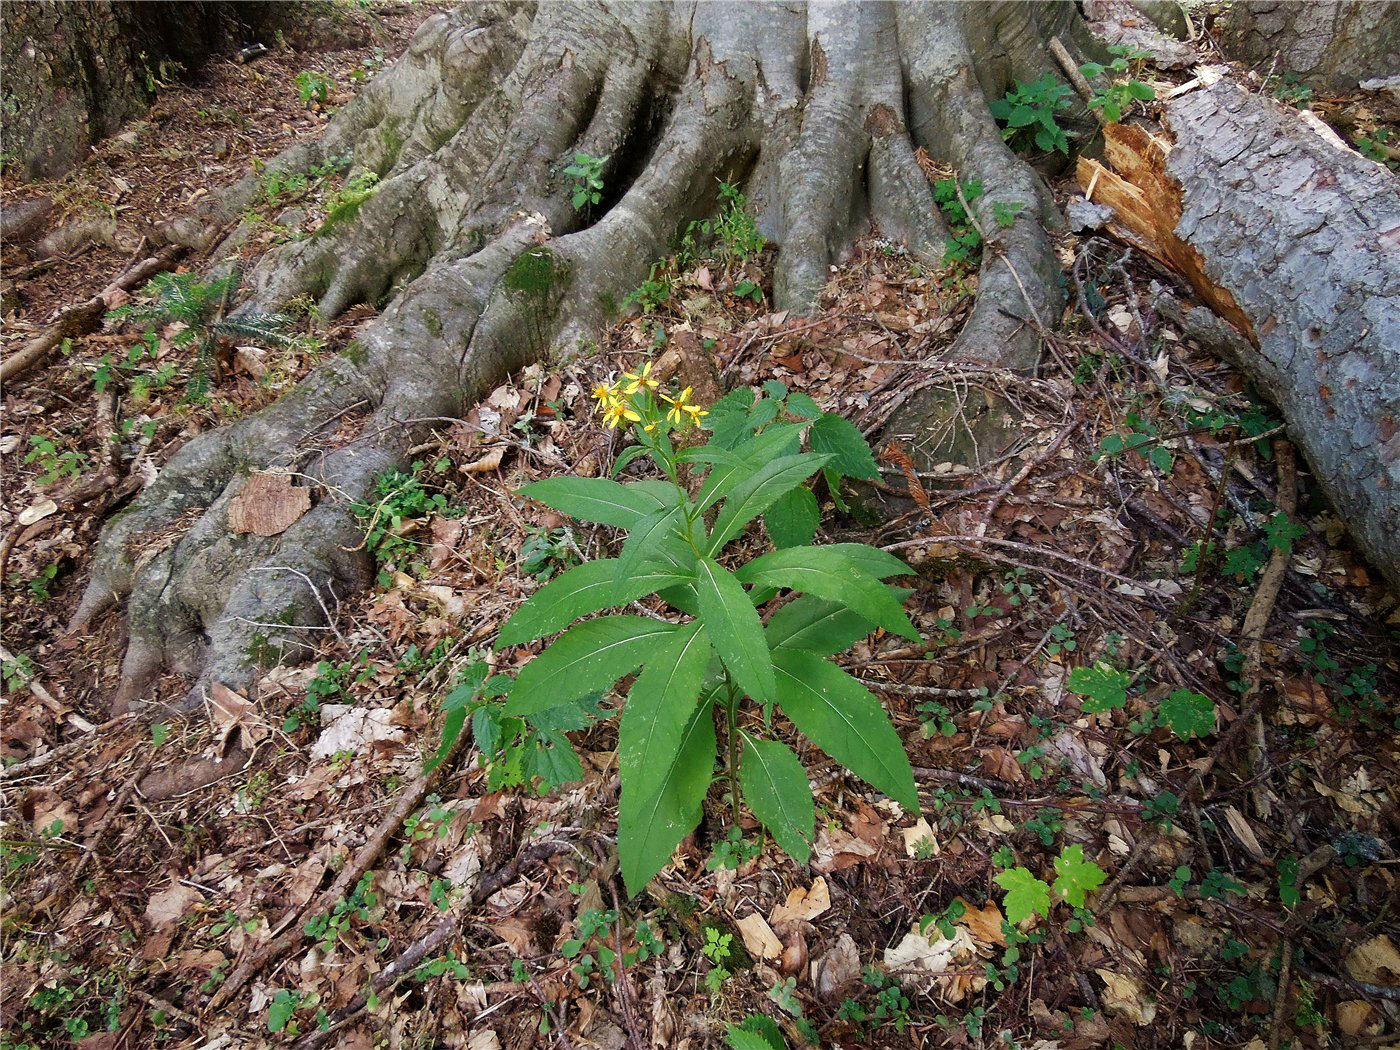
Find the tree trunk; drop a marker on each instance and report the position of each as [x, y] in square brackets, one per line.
[816, 110]
[1292, 238]
[76, 71]
[1329, 44]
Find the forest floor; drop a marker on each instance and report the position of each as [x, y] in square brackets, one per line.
[1083, 681]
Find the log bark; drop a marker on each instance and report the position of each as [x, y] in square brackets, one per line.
[1294, 240]
[1329, 44]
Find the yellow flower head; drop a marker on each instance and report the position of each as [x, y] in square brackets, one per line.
[643, 379]
[603, 394]
[620, 410]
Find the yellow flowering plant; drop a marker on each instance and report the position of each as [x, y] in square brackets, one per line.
[762, 629]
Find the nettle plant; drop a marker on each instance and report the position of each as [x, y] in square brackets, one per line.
[715, 653]
[1112, 98]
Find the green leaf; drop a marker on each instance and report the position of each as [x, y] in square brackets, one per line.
[1103, 687]
[584, 589]
[601, 500]
[628, 454]
[732, 468]
[1075, 876]
[1188, 714]
[587, 658]
[850, 452]
[831, 573]
[1025, 894]
[792, 520]
[648, 544]
[1140, 91]
[756, 1033]
[554, 760]
[878, 563]
[760, 492]
[1091, 70]
[734, 629]
[776, 789]
[1021, 116]
[816, 625]
[845, 720]
[651, 826]
[283, 1005]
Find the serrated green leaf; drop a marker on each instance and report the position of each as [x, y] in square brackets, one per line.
[755, 495]
[1025, 895]
[601, 500]
[1075, 876]
[650, 827]
[587, 658]
[756, 1033]
[850, 452]
[831, 573]
[776, 789]
[1140, 91]
[845, 720]
[1103, 687]
[734, 629]
[792, 520]
[1188, 714]
[585, 589]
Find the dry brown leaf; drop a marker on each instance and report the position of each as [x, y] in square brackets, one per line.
[229, 711]
[169, 906]
[1240, 826]
[1375, 962]
[517, 935]
[269, 504]
[489, 460]
[803, 904]
[759, 937]
[1352, 1016]
[1124, 995]
[983, 923]
[837, 969]
[37, 511]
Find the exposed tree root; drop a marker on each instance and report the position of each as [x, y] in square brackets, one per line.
[469, 132]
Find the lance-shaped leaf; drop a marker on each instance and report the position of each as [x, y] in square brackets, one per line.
[651, 543]
[776, 789]
[585, 659]
[845, 720]
[820, 626]
[831, 574]
[734, 629]
[596, 499]
[650, 826]
[585, 589]
[758, 493]
[730, 469]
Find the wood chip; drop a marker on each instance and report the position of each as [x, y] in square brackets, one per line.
[759, 937]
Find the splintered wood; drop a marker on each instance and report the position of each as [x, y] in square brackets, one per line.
[1146, 202]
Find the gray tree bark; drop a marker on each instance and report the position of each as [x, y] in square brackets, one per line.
[1298, 239]
[1329, 44]
[817, 110]
[74, 72]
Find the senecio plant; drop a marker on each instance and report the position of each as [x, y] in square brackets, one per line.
[715, 656]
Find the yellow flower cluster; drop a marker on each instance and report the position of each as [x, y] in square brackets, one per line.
[616, 402]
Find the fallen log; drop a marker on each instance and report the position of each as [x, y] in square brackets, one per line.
[1294, 240]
